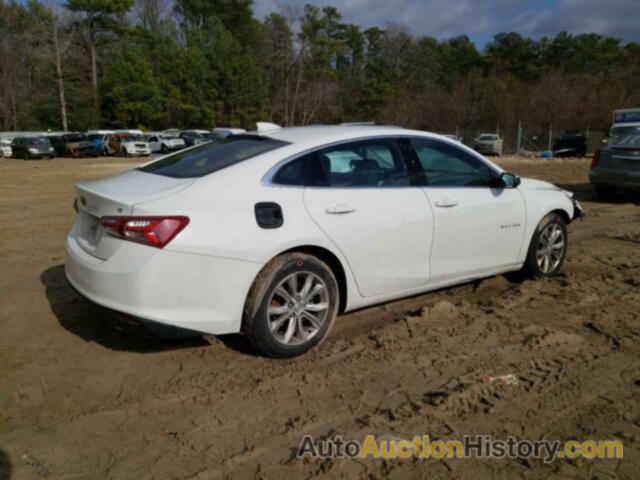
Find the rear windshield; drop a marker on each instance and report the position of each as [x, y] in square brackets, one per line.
[629, 141]
[488, 137]
[211, 157]
[618, 133]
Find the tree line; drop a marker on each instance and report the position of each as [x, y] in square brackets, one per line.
[201, 63]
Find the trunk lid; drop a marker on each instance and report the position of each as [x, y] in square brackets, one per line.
[620, 158]
[117, 196]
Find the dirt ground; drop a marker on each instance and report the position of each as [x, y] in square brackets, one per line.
[79, 400]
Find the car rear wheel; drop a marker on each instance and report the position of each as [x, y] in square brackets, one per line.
[548, 247]
[291, 306]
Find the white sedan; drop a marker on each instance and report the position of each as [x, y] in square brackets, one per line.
[164, 143]
[273, 233]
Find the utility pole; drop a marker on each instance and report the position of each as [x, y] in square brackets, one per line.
[519, 139]
[550, 135]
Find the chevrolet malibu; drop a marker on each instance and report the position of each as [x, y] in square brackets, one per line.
[276, 232]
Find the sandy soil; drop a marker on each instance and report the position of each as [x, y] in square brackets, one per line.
[79, 400]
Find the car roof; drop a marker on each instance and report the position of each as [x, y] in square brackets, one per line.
[322, 134]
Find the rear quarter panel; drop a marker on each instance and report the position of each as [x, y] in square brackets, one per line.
[223, 223]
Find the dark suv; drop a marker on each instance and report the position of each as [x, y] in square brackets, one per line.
[32, 147]
[571, 143]
[74, 145]
[616, 167]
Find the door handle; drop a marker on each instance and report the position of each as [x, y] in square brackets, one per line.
[446, 203]
[340, 209]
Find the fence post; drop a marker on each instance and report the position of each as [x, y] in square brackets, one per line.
[519, 139]
[550, 135]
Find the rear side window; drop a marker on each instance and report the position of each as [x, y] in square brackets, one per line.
[366, 163]
[211, 157]
[293, 173]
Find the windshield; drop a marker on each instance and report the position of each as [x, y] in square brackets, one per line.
[37, 141]
[488, 137]
[170, 137]
[211, 157]
[619, 132]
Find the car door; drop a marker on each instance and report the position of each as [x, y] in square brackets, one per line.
[478, 224]
[15, 147]
[360, 194]
[155, 144]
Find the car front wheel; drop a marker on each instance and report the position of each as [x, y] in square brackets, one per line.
[291, 306]
[548, 247]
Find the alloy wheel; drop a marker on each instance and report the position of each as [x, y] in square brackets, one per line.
[298, 308]
[551, 245]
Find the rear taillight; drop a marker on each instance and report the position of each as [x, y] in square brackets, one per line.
[152, 231]
[596, 159]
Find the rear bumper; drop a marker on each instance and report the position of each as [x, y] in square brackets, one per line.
[615, 178]
[194, 292]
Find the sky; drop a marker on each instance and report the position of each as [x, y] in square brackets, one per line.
[482, 19]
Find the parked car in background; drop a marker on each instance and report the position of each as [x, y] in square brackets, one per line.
[5, 147]
[488, 144]
[616, 167]
[99, 138]
[32, 148]
[453, 136]
[164, 143]
[73, 145]
[571, 143]
[128, 145]
[194, 137]
[273, 233]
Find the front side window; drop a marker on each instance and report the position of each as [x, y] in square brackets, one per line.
[366, 163]
[444, 165]
[211, 157]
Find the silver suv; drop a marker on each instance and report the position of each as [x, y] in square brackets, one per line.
[488, 144]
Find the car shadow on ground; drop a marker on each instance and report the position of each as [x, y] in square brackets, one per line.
[95, 324]
[585, 192]
[5, 466]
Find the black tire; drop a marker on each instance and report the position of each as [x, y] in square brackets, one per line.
[532, 267]
[26, 156]
[605, 193]
[255, 323]
[164, 149]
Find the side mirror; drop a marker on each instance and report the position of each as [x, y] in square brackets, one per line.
[509, 180]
